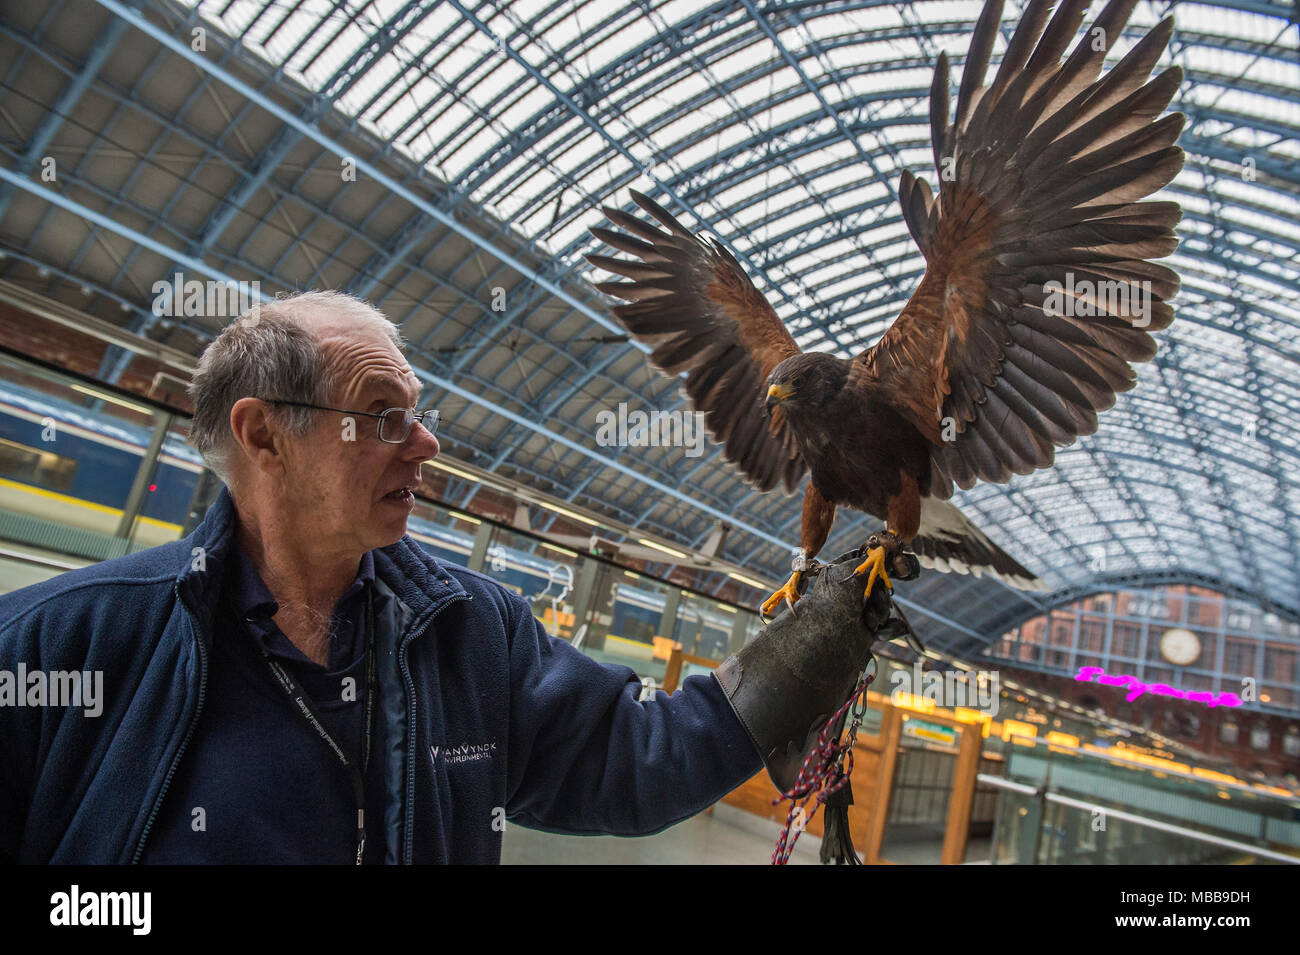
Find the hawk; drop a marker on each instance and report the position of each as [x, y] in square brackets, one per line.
[1038, 296]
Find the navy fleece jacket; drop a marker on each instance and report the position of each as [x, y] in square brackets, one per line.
[487, 717]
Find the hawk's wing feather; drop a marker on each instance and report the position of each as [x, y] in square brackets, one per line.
[1010, 346]
[693, 303]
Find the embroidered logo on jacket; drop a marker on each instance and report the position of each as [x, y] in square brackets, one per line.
[464, 753]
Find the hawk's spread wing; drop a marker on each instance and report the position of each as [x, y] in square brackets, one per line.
[1037, 292]
[696, 306]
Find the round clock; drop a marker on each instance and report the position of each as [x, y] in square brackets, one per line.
[1180, 647]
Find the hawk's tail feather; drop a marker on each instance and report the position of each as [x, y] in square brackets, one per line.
[949, 542]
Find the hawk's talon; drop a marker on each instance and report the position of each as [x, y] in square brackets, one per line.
[788, 594]
[875, 565]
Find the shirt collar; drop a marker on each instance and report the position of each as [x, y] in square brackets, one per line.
[252, 600]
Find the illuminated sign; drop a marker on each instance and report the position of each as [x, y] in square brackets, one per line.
[930, 731]
[1136, 688]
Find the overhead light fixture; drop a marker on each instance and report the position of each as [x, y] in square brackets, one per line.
[750, 581]
[569, 514]
[464, 517]
[661, 548]
[560, 550]
[464, 475]
[140, 409]
[724, 608]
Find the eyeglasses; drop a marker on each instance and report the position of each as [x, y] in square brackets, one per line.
[394, 423]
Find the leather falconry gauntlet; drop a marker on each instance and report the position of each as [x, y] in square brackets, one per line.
[786, 683]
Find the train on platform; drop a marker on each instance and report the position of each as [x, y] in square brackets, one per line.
[70, 461]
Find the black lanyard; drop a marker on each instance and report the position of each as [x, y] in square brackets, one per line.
[303, 705]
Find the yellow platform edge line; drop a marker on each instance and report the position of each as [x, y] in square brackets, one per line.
[78, 502]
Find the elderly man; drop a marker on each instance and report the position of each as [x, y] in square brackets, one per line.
[298, 681]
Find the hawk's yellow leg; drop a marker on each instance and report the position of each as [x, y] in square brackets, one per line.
[788, 593]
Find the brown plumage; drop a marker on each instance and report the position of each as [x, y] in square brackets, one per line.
[1038, 294]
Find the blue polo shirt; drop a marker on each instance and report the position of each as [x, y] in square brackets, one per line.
[256, 783]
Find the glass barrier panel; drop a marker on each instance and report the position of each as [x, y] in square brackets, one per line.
[447, 535]
[1017, 821]
[704, 626]
[921, 793]
[543, 574]
[171, 487]
[626, 615]
[69, 454]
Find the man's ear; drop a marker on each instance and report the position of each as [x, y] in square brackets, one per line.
[257, 435]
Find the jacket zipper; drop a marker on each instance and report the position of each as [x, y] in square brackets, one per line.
[408, 824]
[189, 731]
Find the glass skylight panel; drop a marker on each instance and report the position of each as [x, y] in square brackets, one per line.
[564, 28]
[1242, 101]
[816, 263]
[846, 284]
[618, 40]
[742, 59]
[861, 194]
[918, 157]
[479, 141]
[701, 154]
[278, 35]
[1212, 18]
[522, 109]
[578, 155]
[797, 220]
[498, 76]
[373, 82]
[738, 195]
[1234, 213]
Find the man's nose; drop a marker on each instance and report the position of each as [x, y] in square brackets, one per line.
[420, 444]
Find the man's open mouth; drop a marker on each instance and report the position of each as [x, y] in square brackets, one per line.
[403, 495]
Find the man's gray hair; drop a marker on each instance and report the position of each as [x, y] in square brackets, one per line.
[268, 353]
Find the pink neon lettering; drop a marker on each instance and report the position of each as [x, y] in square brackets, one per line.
[1136, 688]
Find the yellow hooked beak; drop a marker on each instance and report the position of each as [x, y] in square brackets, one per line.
[777, 394]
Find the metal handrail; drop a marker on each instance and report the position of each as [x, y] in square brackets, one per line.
[998, 782]
[38, 559]
[1117, 760]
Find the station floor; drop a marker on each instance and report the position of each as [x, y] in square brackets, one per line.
[722, 835]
